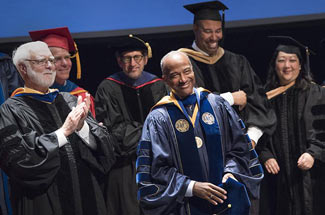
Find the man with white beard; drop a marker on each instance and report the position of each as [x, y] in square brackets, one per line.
[53, 151]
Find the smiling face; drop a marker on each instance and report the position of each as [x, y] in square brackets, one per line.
[208, 33]
[63, 64]
[287, 67]
[38, 75]
[132, 63]
[178, 74]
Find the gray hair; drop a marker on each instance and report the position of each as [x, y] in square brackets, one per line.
[171, 54]
[24, 51]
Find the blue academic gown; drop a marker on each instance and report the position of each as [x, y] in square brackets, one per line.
[9, 81]
[169, 155]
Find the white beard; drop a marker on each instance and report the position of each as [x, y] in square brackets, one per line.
[40, 79]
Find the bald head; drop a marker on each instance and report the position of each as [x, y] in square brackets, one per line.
[178, 73]
[171, 58]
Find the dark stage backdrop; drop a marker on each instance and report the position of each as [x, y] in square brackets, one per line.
[98, 61]
[96, 25]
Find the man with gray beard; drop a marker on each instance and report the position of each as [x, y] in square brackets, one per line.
[53, 151]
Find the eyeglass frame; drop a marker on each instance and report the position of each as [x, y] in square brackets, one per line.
[128, 59]
[42, 62]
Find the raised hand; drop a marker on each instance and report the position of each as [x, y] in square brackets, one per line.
[76, 117]
[85, 104]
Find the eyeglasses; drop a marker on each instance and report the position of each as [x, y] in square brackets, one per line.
[128, 59]
[42, 62]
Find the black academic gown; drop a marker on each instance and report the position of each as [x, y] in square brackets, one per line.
[44, 178]
[300, 128]
[122, 105]
[232, 72]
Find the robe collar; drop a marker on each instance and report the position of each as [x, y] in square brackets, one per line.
[122, 78]
[47, 97]
[168, 99]
[277, 91]
[192, 99]
[68, 86]
[202, 56]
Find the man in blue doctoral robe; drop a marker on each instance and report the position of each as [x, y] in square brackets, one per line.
[194, 156]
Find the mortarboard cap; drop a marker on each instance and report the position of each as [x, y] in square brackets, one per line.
[58, 37]
[55, 37]
[132, 43]
[207, 10]
[237, 201]
[289, 45]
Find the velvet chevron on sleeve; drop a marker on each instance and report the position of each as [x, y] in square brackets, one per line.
[173, 151]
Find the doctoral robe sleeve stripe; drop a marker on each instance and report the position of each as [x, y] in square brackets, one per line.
[248, 139]
[241, 123]
[320, 136]
[318, 109]
[147, 191]
[48, 179]
[319, 124]
[144, 145]
[143, 161]
[250, 146]
[143, 177]
[256, 170]
[254, 165]
[253, 154]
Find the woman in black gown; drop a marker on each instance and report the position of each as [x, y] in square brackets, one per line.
[293, 156]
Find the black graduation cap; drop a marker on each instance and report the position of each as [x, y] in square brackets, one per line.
[207, 10]
[132, 43]
[288, 44]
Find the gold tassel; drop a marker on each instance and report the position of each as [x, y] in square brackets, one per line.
[77, 61]
[145, 43]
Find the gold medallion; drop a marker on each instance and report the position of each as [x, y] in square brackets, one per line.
[182, 125]
[208, 118]
[199, 142]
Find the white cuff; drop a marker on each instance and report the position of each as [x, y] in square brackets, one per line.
[84, 132]
[85, 135]
[254, 133]
[189, 190]
[228, 97]
[61, 138]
